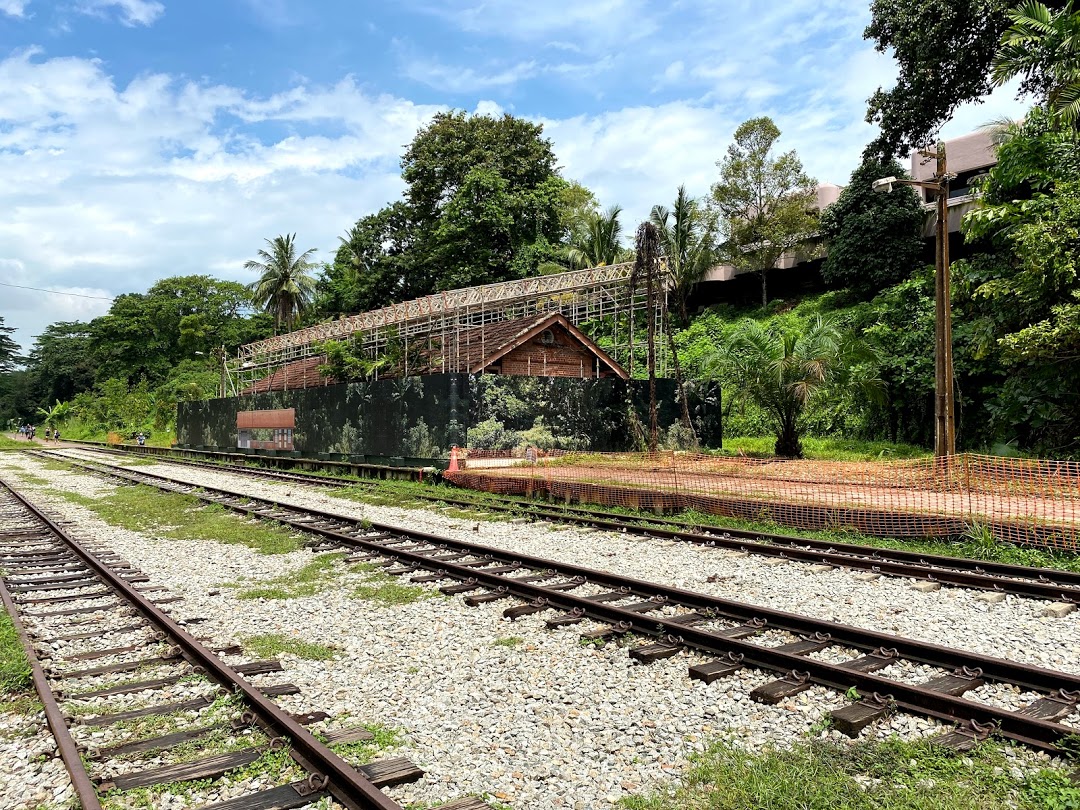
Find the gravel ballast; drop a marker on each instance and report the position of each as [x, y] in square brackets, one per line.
[529, 716]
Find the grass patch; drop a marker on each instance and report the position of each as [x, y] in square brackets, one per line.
[384, 739]
[385, 589]
[7, 443]
[509, 641]
[14, 665]
[22, 704]
[37, 480]
[889, 775]
[269, 645]
[52, 464]
[306, 581]
[184, 517]
[828, 449]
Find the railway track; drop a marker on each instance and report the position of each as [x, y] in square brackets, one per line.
[725, 635]
[96, 642]
[1059, 586]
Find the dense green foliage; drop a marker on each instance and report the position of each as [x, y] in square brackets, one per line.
[782, 369]
[873, 240]
[9, 350]
[1043, 45]
[944, 49]
[126, 370]
[483, 203]
[1021, 288]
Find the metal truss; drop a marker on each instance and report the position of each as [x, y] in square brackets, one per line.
[598, 300]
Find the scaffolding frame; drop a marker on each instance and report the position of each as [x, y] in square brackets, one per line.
[436, 325]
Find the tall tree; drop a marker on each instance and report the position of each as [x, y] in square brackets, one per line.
[873, 240]
[62, 362]
[9, 349]
[373, 265]
[765, 201]
[943, 49]
[285, 285]
[1043, 46]
[148, 334]
[688, 242]
[483, 203]
[485, 199]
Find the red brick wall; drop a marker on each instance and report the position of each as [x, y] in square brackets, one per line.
[565, 357]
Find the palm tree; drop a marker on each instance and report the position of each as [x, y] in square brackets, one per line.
[285, 286]
[781, 369]
[598, 244]
[1044, 47]
[687, 240]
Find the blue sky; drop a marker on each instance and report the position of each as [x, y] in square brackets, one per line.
[141, 139]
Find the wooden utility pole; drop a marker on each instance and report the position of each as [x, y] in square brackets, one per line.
[944, 391]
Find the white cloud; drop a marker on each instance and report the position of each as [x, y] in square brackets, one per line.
[132, 12]
[14, 8]
[595, 20]
[113, 187]
[457, 79]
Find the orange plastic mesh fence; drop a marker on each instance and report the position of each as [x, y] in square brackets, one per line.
[1021, 500]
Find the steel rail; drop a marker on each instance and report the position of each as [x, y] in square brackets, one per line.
[1037, 733]
[54, 715]
[1027, 581]
[346, 784]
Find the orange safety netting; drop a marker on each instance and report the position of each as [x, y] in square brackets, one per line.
[1020, 500]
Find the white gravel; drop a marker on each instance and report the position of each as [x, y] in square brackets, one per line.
[546, 722]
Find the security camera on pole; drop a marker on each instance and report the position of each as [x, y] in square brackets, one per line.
[944, 399]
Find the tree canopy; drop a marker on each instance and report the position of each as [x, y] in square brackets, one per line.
[873, 240]
[688, 243]
[1043, 45]
[9, 349]
[483, 203]
[765, 201]
[285, 285]
[944, 49]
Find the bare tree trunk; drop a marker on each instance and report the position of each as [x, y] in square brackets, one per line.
[650, 286]
[764, 288]
[680, 381]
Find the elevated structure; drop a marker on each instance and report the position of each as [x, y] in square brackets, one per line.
[436, 333]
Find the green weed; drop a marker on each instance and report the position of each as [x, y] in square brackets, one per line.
[306, 581]
[361, 753]
[387, 590]
[509, 641]
[269, 645]
[14, 665]
[184, 517]
[889, 775]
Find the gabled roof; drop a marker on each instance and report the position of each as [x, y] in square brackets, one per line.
[499, 339]
[475, 348]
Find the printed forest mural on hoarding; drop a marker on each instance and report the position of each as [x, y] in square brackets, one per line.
[423, 417]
